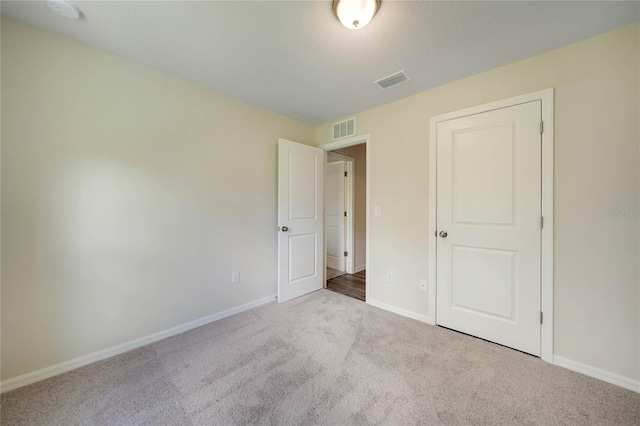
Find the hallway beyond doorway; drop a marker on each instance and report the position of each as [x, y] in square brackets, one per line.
[352, 285]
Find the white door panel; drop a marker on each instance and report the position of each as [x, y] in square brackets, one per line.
[300, 220]
[480, 272]
[335, 215]
[489, 204]
[303, 172]
[483, 175]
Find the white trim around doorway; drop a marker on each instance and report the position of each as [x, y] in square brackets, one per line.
[546, 300]
[345, 143]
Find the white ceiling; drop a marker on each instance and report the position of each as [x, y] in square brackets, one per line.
[295, 58]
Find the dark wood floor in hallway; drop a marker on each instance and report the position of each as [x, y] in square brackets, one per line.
[352, 285]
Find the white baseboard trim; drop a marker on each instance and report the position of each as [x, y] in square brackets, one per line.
[54, 370]
[400, 311]
[359, 268]
[597, 373]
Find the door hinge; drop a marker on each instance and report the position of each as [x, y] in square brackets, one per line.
[541, 127]
[345, 214]
[345, 174]
[541, 317]
[541, 222]
[346, 254]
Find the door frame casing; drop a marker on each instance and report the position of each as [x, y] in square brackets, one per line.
[345, 143]
[546, 256]
[349, 207]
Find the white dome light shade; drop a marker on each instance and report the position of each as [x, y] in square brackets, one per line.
[64, 8]
[355, 14]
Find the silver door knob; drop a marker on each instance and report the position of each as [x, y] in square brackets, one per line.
[285, 229]
[443, 234]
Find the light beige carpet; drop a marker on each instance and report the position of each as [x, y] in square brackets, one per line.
[320, 359]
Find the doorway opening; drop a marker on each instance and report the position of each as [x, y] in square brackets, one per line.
[346, 217]
[301, 229]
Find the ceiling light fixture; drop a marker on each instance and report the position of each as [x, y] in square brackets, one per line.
[355, 14]
[64, 8]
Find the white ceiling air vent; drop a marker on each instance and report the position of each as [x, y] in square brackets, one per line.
[392, 80]
[344, 128]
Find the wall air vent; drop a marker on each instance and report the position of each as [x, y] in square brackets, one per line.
[344, 128]
[392, 80]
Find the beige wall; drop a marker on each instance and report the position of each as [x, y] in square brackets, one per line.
[128, 197]
[597, 320]
[359, 152]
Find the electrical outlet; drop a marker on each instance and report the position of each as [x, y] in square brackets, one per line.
[377, 211]
[389, 276]
[235, 277]
[423, 285]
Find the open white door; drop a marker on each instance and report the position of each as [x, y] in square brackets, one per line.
[335, 215]
[300, 219]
